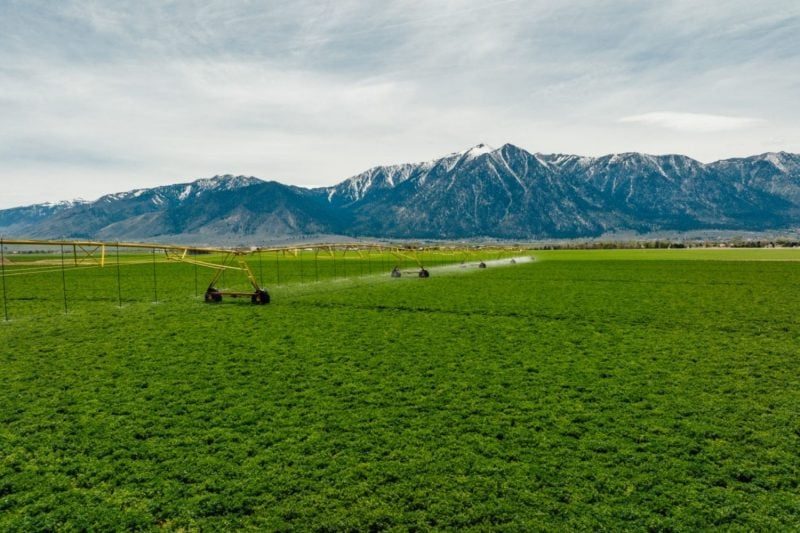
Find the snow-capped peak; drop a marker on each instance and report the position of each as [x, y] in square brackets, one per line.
[478, 150]
[64, 203]
[778, 159]
[225, 183]
[356, 187]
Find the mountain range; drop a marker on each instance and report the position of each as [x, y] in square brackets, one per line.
[505, 193]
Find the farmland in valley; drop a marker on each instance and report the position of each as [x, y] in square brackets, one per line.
[652, 389]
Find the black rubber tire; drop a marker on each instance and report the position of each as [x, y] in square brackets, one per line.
[424, 273]
[396, 274]
[213, 296]
[482, 265]
[260, 297]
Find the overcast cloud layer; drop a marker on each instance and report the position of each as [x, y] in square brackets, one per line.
[99, 97]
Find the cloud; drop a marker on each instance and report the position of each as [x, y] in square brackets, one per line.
[692, 122]
[100, 96]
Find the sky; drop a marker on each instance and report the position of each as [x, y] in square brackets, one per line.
[101, 97]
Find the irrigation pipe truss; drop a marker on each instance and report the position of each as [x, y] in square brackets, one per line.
[86, 254]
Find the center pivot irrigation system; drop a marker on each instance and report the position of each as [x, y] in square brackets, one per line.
[78, 254]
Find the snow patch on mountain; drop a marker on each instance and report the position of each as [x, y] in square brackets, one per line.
[225, 183]
[185, 193]
[477, 151]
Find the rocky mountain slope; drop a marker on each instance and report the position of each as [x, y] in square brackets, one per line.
[481, 192]
[512, 193]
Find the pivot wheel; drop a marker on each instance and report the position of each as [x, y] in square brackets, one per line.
[424, 273]
[482, 265]
[260, 297]
[396, 273]
[213, 296]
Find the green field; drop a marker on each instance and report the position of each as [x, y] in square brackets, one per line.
[642, 390]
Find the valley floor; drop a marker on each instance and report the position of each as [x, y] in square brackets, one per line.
[585, 390]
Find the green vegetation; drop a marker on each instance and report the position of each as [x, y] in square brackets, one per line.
[679, 254]
[639, 390]
[35, 285]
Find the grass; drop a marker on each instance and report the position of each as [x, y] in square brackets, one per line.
[675, 254]
[631, 391]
